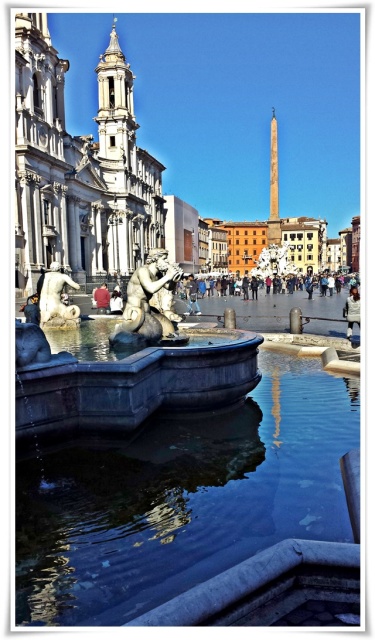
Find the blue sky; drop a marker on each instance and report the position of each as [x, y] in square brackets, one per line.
[204, 91]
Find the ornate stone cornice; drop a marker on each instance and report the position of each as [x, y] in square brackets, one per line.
[27, 177]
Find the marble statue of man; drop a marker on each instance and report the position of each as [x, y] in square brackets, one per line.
[50, 296]
[146, 313]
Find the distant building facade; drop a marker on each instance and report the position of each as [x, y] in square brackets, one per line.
[218, 246]
[356, 243]
[346, 249]
[333, 254]
[307, 239]
[182, 236]
[94, 207]
[245, 242]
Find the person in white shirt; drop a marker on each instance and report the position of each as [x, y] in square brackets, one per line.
[331, 284]
[116, 303]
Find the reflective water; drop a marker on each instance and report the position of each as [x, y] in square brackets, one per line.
[90, 341]
[123, 527]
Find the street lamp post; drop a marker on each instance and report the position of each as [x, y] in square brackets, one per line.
[193, 248]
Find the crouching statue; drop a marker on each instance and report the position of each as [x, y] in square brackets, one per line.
[149, 310]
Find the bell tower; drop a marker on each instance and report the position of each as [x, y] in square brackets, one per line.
[274, 224]
[116, 119]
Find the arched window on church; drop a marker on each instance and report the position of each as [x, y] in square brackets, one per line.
[111, 89]
[37, 95]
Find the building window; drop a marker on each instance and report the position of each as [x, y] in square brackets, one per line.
[309, 257]
[237, 262]
[292, 258]
[254, 241]
[299, 257]
[111, 91]
[263, 242]
[229, 241]
[299, 236]
[246, 233]
[46, 211]
[254, 233]
[245, 241]
[310, 236]
[254, 252]
[292, 236]
[285, 237]
[37, 96]
[264, 233]
[112, 141]
[237, 233]
[237, 242]
[237, 253]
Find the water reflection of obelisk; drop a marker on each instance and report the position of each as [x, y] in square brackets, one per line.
[276, 405]
[274, 225]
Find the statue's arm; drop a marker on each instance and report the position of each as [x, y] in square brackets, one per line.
[71, 283]
[152, 286]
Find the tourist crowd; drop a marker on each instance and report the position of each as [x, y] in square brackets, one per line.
[247, 287]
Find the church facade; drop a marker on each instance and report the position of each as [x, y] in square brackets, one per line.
[95, 207]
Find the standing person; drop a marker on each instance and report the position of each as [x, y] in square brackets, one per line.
[291, 284]
[353, 311]
[116, 303]
[231, 286]
[283, 285]
[323, 285]
[202, 287]
[192, 287]
[275, 284]
[338, 284]
[309, 285]
[208, 288]
[254, 288]
[245, 288]
[224, 286]
[218, 286]
[31, 309]
[331, 284]
[268, 284]
[102, 298]
[212, 286]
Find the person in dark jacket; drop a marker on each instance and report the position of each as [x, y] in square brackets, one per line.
[192, 290]
[254, 288]
[31, 309]
[245, 288]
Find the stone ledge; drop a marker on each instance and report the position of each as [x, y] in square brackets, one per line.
[196, 606]
[313, 346]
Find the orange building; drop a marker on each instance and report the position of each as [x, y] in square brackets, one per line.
[245, 242]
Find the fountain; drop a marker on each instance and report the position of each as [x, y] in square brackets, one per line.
[167, 371]
[273, 260]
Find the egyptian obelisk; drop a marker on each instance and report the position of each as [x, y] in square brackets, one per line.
[274, 225]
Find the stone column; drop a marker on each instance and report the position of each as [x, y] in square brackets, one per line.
[131, 253]
[73, 219]
[99, 239]
[65, 256]
[38, 214]
[274, 183]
